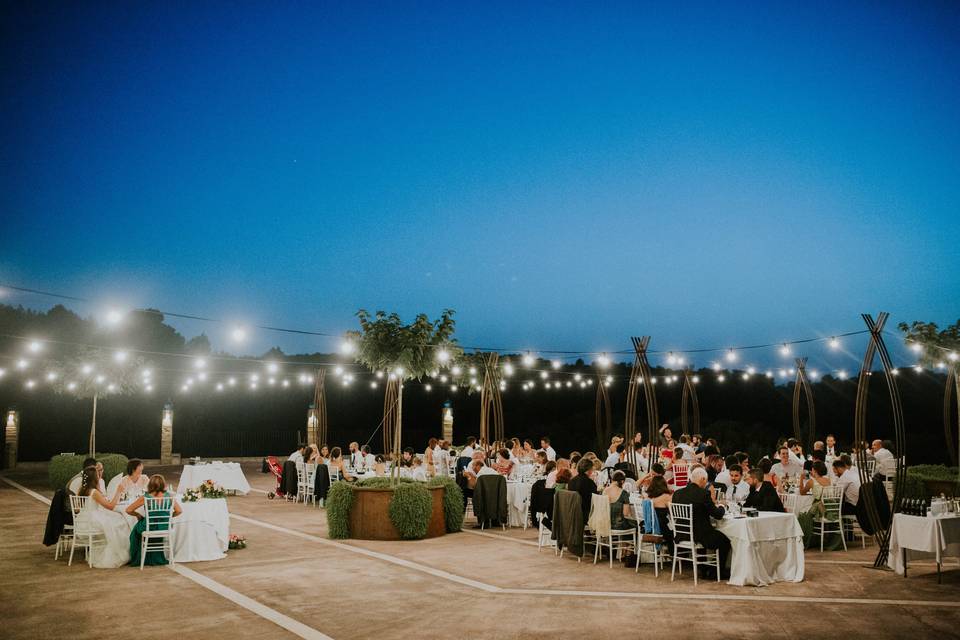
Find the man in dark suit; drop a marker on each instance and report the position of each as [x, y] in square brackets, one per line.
[696, 494]
[763, 497]
[584, 485]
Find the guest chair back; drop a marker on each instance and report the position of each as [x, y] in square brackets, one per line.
[685, 548]
[85, 535]
[157, 536]
[830, 521]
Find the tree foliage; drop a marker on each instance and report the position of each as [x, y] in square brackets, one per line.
[385, 343]
[936, 342]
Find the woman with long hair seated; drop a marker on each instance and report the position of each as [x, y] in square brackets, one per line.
[380, 466]
[98, 515]
[659, 494]
[620, 509]
[503, 465]
[324, 457]
[336, 462]
[156, 488]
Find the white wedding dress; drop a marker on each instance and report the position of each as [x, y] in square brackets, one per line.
[114, 527]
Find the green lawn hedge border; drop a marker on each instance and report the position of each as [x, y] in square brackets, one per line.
[63, 467]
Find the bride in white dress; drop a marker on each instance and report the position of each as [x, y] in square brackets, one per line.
[98, 515]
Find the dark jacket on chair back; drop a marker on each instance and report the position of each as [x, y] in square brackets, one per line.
[764, 499]
[490, 499]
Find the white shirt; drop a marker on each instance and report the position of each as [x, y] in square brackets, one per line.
[723, 478]
[850, 481]
[551, 454]
[486, 471]
[419, 473]
[551, 480]
[467, 452]
[612, 460]
[792, 468]
[886, 463]
[740, 491]
[356, 459]
[689, 453]
[369, 460]
[296, 456]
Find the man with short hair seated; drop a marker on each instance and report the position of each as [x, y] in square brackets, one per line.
[696, 494]
[886, 464]
[763, 497]
[849, 480]
[787, 466]
[738, 490]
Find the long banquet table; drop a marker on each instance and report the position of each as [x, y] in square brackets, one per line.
[228, 475]
[764, 549]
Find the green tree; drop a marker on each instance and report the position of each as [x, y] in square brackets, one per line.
[936, 345]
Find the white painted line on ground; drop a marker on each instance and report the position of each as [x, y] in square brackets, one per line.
[293, 626]
[498, 537]
[29, 492]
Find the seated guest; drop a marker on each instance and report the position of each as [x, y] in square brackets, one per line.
[714, 465]
[541, 463]
[368, 458]
[356, 458]
[467, 451]
[337, 462]
[324, 457]
[695, 494]
[724, 476]
[297, 456]
[763, 496]
[441, 459]
[643, 462]
[419, 471]
[504, 464]
[656, 471]
[156, 488]
[886, 466]
[738, 489]
[831, 446]
[380, 466]
[558, 466]
[406, 459]
[613, 455]
[818, 446]
[767, 468]
[584, 485]
[134, 483]
[563, 479]
[788, 465]
[660, 496]
[545, 446]
[849, 479]
[743, 459]
[819, 454]
[76, 481]
[793, 445]
[309, 455]
[99, 515]
[620, 510]
[529, 454]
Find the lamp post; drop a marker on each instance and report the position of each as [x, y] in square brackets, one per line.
[447, 417]
[166, 434]
[11, 439]
[312, 424]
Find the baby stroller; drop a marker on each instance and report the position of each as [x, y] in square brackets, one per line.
[274, 466]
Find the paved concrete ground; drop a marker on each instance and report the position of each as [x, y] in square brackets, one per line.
[291, 581]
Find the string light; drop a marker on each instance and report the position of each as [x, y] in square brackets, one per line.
[232, 382]
[717, 366]
[603, 361]
[721, 378]
[22, 364]
[473, 371]
[453, 388]
[71, 386]
[273, 367]
[120, 356]
[508, 369]
[347, 347]
[285, 383]
[917, 347]
[543, 375]
[86, 369]
[785, 350]
[577, 377]
[239, 334]
[219, 386]
[35, 346]
[199, 363]
[29, 384]
[51, 376]
[456, 371]
[834, 343]
[148, 388]
[338, 371]
[695, 379]
[373, 384]
[428, 387]
[528, 360]
[843, 374]
[202, 376]
[731, 355]
[443, 356]
[556, 364]
[952, 356]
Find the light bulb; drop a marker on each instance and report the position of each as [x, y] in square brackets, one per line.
[528, 360]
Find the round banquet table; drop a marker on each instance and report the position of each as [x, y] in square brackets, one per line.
[228, 475]
[765, 549]
[518, 496]
[200, 533]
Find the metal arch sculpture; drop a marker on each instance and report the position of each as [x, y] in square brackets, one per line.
[603, 414]
[689, 395]
[640, 375]
[802, 383]
[320, 407]
[953, 387]
[877, 346]
[491, 401]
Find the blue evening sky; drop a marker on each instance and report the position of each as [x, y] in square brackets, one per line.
[564, 175]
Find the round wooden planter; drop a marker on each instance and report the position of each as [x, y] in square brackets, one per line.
[370, 520]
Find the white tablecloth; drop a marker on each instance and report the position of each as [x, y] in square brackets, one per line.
[765, 549]
[227, 474]
[922, 538]
[518, 496]
[201, 532]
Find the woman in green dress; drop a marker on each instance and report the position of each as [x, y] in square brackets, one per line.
[157, 488]
[619, 503]
[819, 480]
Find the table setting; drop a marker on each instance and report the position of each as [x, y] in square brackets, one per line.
[765, 547]
[933, 536]
[228, 475]
[200, 533]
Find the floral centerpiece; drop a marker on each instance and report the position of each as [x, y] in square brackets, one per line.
[208, 489]
[237, 542]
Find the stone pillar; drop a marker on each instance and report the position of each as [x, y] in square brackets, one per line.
[166, 434]
[312, 424]
[447, 422]
[11, 439]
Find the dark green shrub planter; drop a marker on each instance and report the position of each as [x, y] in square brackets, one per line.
[376, 509]
[62, 468]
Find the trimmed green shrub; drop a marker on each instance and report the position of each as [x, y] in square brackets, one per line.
[338, 504]
[62, 468]
[452, 502]
[915, 488]
[379, 483]
[410, 510]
